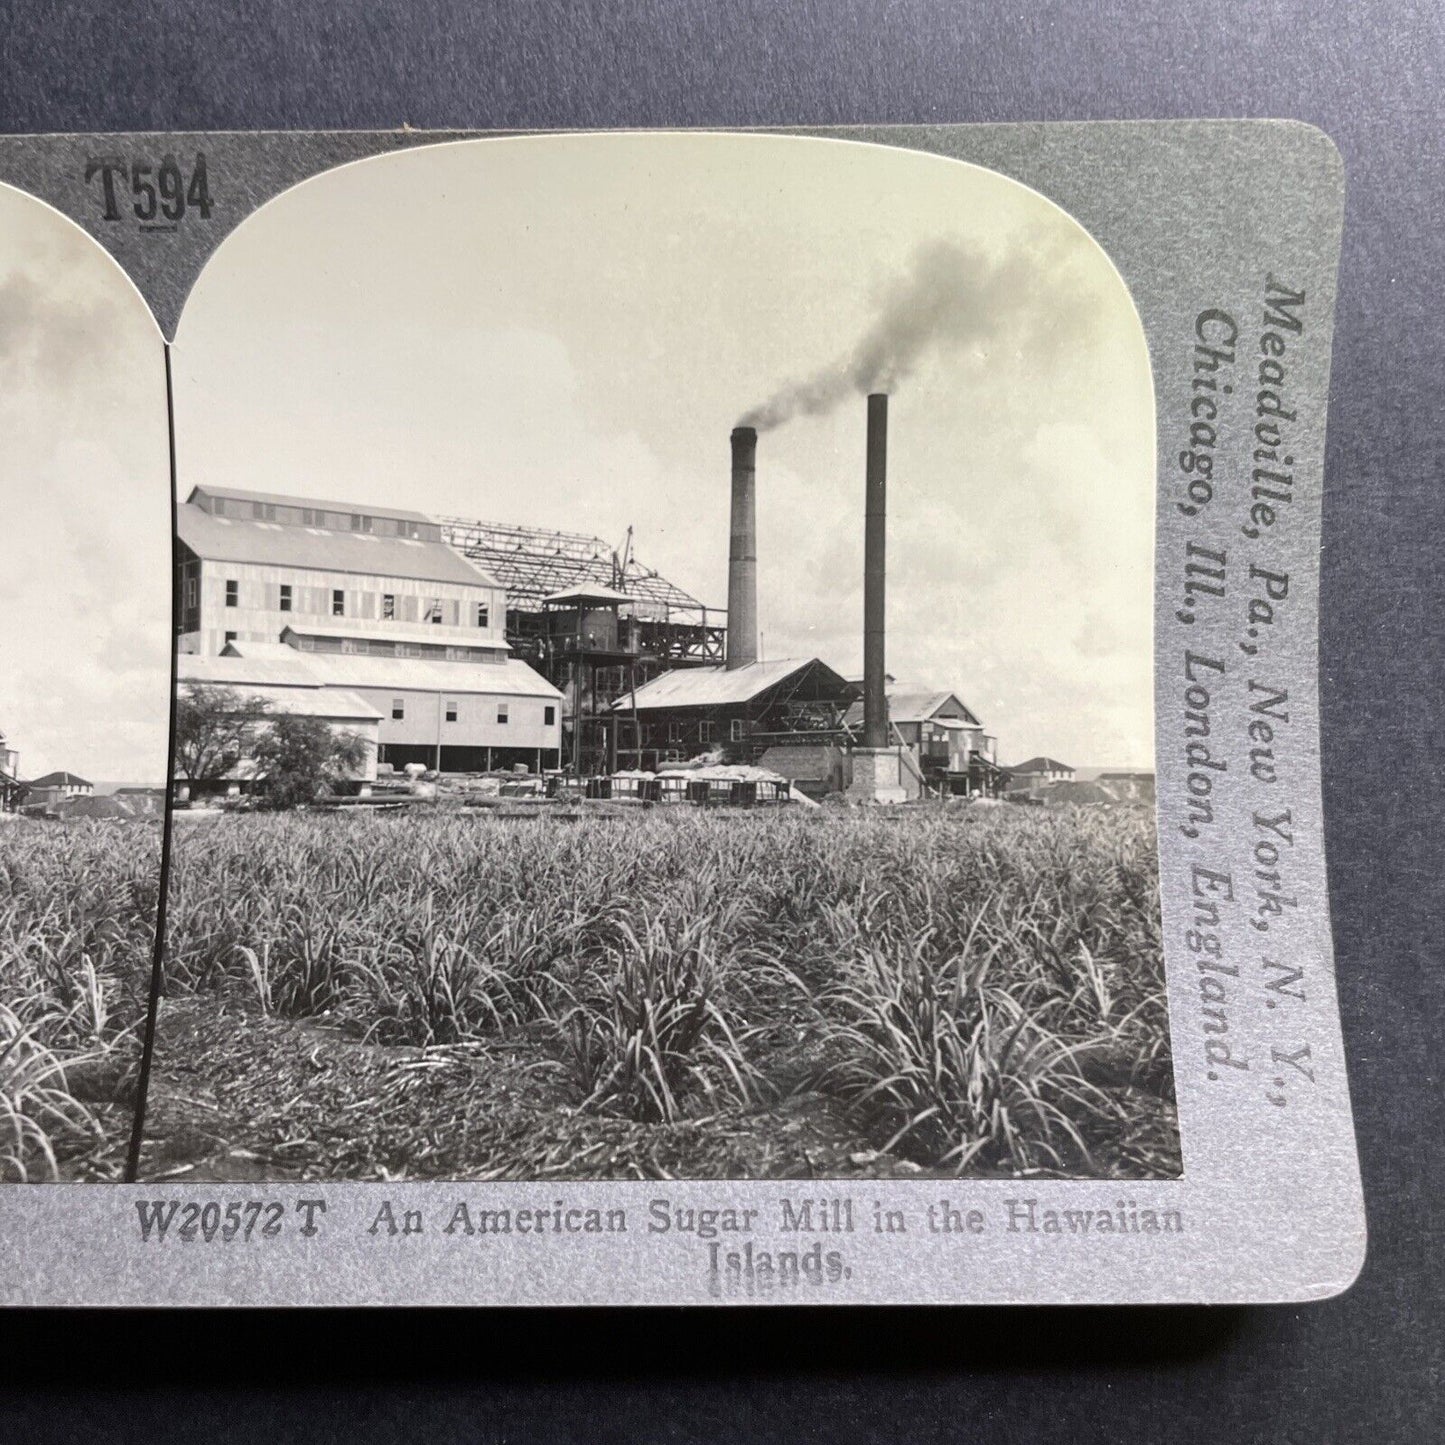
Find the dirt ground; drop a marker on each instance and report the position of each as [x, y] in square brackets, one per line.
[236, 1095]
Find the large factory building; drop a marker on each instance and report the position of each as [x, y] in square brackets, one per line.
[366, 581]
[466, 646]
[364, 615]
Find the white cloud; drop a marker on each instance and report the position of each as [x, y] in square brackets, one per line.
[85, 587]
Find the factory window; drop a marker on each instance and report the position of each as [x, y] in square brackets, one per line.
[434, 611]
[502, 713]
[233, 593]
[451, 710]
[704, 731]
[398, 709]
[483, 614]
[285, 597]
[338, 602]
[360, 523]
[735, 730]
[388, 605]
[674, 732]
[549, 715]
[193, 592]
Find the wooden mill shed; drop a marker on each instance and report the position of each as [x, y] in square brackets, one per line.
[739, 713]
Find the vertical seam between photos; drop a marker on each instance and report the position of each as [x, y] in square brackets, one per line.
[138, 1119]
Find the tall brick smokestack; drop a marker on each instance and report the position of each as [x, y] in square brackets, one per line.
[875, 542]
[742, 645]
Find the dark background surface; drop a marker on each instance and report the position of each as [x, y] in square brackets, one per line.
[1366, 1366]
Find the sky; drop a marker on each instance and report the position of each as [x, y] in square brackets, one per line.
[84, 507]
[562, 332]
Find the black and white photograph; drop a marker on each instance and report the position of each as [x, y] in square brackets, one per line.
[664, 679]
[719, 720]
[85, 657]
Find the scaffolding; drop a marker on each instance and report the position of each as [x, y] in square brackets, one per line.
[532, 563]
[593, 660]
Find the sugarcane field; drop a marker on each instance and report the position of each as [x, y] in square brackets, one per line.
[677, 993]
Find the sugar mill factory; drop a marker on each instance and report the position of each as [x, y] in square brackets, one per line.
[469, 649]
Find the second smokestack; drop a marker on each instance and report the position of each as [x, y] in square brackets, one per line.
[875, 568]
[742, 643]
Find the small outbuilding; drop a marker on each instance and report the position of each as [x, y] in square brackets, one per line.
[1038, 773]
[53, 788]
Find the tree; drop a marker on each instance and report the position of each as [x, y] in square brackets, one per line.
[300, 758]
[216, 728]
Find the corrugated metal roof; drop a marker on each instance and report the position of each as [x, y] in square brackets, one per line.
[918, 706]
[713, 686]
[912, 707]
[283, 681]
[1041, 765]
[276, 665]
[327, 702]
[510, 678]
[587, 592]
[226, 539]
[235, 668]
[314, 504]
[420, 632]
[273, 664]
[258, 651]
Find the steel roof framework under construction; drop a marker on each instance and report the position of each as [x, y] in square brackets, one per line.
[532, 564]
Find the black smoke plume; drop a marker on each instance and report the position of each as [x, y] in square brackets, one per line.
[951, 297]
